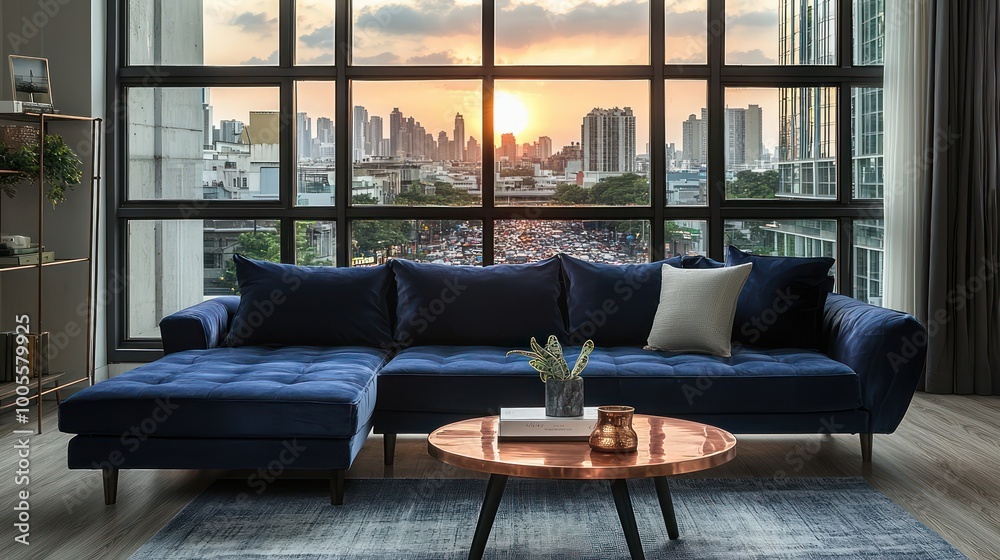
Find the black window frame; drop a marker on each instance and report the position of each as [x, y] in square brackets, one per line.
[845, 75]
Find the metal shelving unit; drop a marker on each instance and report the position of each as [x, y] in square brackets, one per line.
[58, 381]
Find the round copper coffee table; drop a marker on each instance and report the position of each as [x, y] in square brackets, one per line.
[667, 446]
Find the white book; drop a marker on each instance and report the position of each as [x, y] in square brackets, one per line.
[533, 424]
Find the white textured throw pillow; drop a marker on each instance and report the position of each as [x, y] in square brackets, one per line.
[696, 309]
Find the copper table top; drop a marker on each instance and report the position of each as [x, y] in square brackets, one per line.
[667, 446]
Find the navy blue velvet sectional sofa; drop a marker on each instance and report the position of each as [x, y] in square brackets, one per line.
[311, 361]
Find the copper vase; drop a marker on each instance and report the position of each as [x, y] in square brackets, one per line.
[614, 433]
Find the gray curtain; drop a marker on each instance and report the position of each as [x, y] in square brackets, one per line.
[963, 284]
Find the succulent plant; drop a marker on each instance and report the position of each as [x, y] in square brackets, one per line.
[549, 362]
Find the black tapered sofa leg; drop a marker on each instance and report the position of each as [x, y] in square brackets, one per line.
[389, 448]
[337, 487]
[866, 447]
[110, 485]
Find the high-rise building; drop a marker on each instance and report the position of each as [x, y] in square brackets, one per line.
[325, 131]
[230, 131]
[473, 152]
[303, 133]
[442, 146]
[458, 136]
[754, 135]
[808, 143]
[375, 136]
[806, 152]
[544, 148]
[207, 121]
[528, 151]
[608, 139]
[692, 140]
[807, 32]
[736, 124]
[508, 147]
[869, 41]
[359, 123]
[395, 132]
[409, 139]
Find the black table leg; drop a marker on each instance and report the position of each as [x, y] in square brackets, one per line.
[666, 506]
[619, 489]
[494, 492]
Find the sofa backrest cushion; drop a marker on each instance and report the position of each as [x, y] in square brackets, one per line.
[614, 305]
[703, 323]
[782, 303]
[283, 304]
[501, 305]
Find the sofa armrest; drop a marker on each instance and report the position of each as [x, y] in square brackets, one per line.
[200, 326]
[885, 348]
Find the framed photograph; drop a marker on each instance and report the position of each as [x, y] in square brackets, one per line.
[30, 80]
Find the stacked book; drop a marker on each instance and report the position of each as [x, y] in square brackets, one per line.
[531, 424]
[38, 350]
[22, 256]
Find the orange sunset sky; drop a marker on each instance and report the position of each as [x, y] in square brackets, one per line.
[386, 32]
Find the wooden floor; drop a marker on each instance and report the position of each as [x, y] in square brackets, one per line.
[942, 465]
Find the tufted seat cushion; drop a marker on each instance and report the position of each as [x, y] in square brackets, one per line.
[295, 391]
[481, 379]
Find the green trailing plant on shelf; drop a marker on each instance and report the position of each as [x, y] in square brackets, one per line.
[62, 167]
[549, 362]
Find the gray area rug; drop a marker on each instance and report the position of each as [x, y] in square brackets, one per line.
[435, 519]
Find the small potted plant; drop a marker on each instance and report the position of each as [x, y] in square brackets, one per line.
[62, 166]
[563, 386]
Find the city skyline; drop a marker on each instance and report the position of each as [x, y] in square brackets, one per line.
[561, 120]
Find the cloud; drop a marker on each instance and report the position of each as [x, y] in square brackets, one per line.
[320, 38]
[765, 18]
[524, 24]
[687, 24]
[443, 57]
[694, 57]
[325, 58]
[258, 23]
[257, 61]
[378, 59]
[423, 17]
[755, 56]
[518, 25]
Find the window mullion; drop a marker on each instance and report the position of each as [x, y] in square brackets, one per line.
[342, 118]
[716, 176]
[488, 149]
[657, 131]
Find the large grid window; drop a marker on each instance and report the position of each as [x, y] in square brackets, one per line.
[481, 132]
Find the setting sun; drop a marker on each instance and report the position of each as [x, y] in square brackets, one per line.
[509, 114]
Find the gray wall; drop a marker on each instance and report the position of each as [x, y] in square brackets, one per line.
[70, 33]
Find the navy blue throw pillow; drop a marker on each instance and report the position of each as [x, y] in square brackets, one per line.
[501, 305]
[283, 304]
[782, 302]
[614, 305]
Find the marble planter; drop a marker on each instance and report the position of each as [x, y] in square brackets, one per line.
[564, 397]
